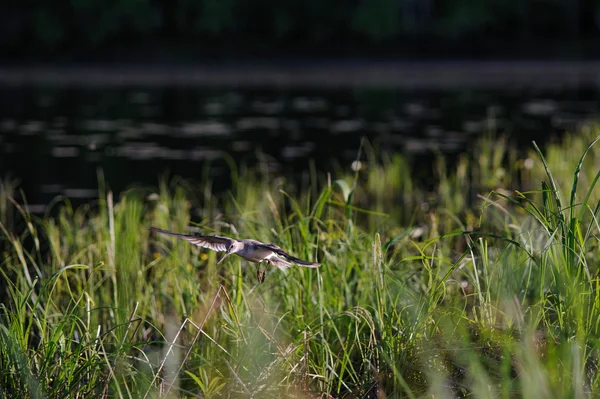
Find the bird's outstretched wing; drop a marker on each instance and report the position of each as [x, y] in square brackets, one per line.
[216, 243]
[291, 258]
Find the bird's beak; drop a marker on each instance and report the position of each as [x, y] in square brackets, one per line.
[224, 256]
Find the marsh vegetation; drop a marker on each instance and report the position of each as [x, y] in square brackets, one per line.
[484, 285]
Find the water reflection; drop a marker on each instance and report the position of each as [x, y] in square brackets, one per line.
[55, 139]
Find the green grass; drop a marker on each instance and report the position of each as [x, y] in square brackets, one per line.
[484, 287]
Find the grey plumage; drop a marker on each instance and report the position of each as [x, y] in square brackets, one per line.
[251, 250]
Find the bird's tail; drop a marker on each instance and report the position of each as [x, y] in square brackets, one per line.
[284, 264]
[280, 263]
[308, 264]
[302, 263]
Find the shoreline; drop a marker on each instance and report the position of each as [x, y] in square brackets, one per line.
[329, 74]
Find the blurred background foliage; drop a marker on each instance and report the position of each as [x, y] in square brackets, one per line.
[64, 28]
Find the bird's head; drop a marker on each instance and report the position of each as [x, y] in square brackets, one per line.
[231, 249]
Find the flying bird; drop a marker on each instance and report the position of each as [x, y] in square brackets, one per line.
[251, 250]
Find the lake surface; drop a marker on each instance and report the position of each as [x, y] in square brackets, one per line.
[55, 136]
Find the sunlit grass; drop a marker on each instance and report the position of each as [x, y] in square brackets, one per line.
[485, 286]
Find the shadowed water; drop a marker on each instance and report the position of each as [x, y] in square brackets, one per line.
[56, 138]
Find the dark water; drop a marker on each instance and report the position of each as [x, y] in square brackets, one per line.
[54, 139]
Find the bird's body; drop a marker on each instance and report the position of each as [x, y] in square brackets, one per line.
[251, 250]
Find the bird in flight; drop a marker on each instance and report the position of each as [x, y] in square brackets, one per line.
[251, 250]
